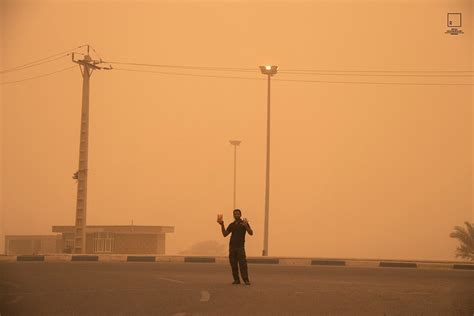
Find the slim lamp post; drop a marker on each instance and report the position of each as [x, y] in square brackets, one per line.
[235, 143]
[269, 71]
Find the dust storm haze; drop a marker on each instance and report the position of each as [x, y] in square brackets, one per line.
[357, 169]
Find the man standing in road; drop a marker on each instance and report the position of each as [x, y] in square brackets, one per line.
[238, 228]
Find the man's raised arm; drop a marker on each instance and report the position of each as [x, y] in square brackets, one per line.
[221, 222]
[224, 231]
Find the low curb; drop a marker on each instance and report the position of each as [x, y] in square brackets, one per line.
[84, 258]
[360, 263]
[398, 264]
[328, 262]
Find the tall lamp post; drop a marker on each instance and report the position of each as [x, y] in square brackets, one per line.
[269, 71]
[235, 143]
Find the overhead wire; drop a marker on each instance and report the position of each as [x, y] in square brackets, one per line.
[297, 80]
[96, 52]
[377, 71]
[364, 73]
[36, 77]
[300, 71]
[291, 72]
[33, 65]
[38, 61]
[186, 74]
[185, 67]
[368, 74]
[378, 83]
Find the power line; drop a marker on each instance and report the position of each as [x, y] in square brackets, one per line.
[297, 80]
[250, 78]
[186, 67]
[379, 83]
[377, 71]
[369, 74]
[299, 71]
[32, 65]
[186, 74]
[36, 77]
[64, 53]
[363, 73]
[96, 53]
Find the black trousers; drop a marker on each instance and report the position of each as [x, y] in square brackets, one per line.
[238, 259]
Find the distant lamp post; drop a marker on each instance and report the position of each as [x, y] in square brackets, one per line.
[269, 71]
[235, 143]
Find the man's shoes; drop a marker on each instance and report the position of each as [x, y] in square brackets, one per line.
[236, 282]
[247, 282]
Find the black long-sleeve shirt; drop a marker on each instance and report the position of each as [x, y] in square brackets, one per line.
[238, 230]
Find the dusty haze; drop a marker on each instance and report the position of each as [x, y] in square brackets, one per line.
[357, 170]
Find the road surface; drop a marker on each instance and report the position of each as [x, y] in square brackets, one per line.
[179, 289]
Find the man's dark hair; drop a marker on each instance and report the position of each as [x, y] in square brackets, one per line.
[237, 210]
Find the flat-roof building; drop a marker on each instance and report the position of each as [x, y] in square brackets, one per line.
[118, 239]
[32, 244]
[100, 239]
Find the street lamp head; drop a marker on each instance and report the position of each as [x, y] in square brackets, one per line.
[235, 142]
[269, 69]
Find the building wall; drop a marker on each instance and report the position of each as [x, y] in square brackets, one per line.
[130, 243]
[90, 243]
[67, 242]
[123, 243]
[51, 245]
[136, 243]
[32, 245]
[160, 244]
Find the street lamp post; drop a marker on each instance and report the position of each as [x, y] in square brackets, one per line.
[269, 71]
[235, 143]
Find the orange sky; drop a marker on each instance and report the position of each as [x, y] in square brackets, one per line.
[358, 170]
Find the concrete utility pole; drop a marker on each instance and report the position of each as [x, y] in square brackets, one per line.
[87, 66]
[269, 71]
[235, 143]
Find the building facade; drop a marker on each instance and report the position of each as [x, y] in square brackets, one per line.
[128, 239]
[107, 239]
[33, 244]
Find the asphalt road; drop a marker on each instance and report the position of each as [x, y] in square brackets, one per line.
[91, 288]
